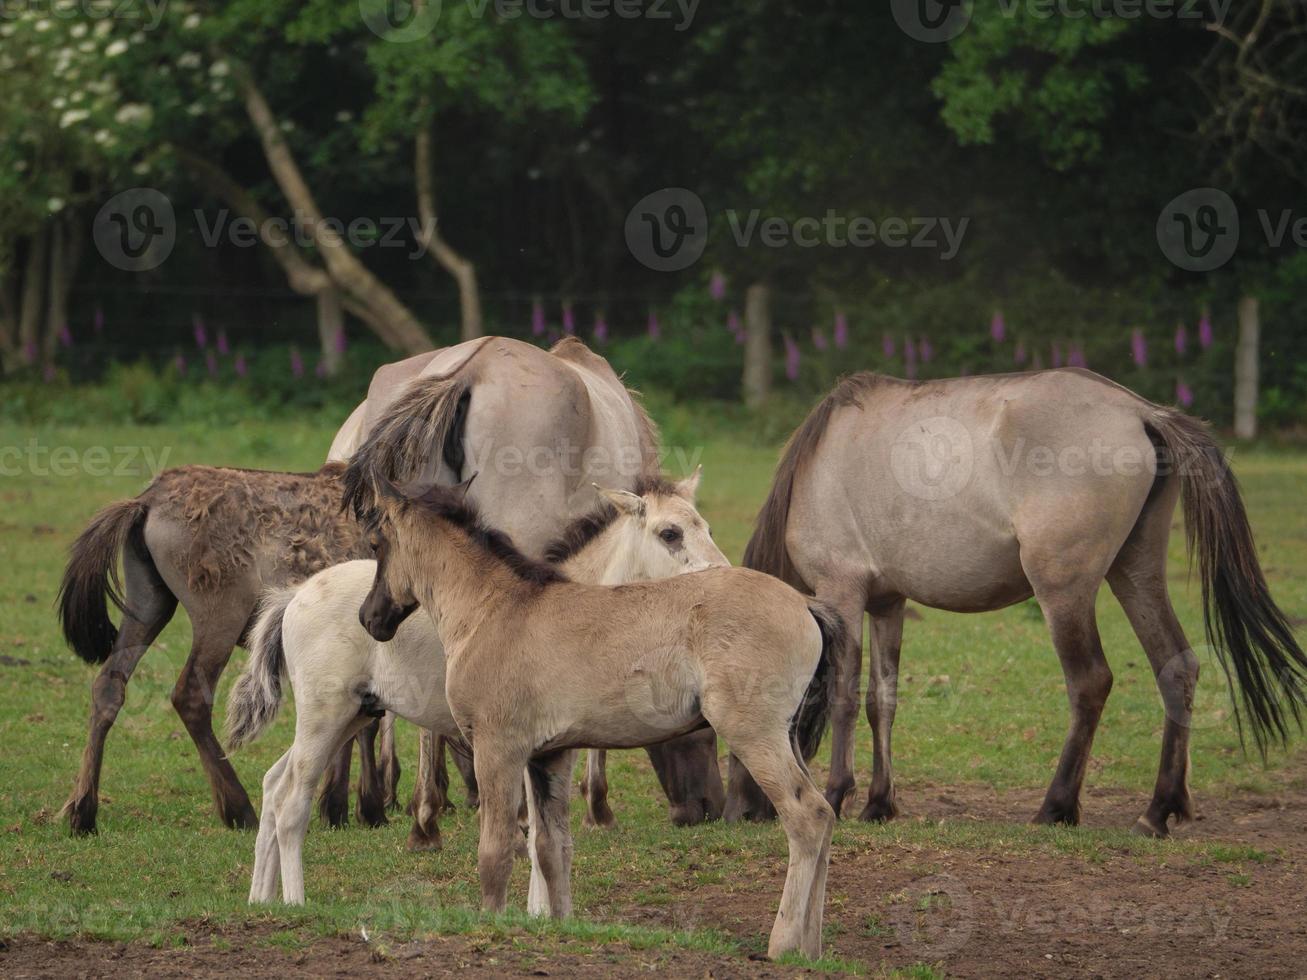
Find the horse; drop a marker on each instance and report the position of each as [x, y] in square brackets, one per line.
[212, 539]
[539, 427]
[971, 494]
[342, 675]
[538, 665]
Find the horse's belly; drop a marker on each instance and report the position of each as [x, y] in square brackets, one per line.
[962, 573]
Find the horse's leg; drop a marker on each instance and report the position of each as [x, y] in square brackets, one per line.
[389, 761]
[267, 858]
[882, 699]
[808, 821]
[465, 764]
[428, 796]
[847, 675]
[549, 842]
[149, 599]
[317, 737]
[595, 790]
[499, 776]
[690, 777]
[214, 638]
[1138, 579]
[371, 802]
[1071, 620]
[333, 801]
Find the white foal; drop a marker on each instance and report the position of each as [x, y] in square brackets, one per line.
[342, 677]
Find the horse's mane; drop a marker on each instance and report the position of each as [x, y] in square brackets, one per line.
[577, 535]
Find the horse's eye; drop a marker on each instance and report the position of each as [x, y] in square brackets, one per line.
[671, 535]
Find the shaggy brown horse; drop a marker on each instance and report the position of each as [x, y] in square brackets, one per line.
[213, 539]
[971, 494]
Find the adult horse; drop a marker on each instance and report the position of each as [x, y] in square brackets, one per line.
[971, 494]
[538, 428]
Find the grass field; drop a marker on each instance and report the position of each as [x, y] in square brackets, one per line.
[982, 704]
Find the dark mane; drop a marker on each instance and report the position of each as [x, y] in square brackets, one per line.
[450, 504]
[582, 531]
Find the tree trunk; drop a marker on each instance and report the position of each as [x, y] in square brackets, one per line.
[1246, 369]
[331, 329]
[757, 344]
[8, 317]
[65, 255]
[344, 268]
[463, 271]
[29, 316]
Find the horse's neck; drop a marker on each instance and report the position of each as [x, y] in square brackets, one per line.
[465, 585]
[607, 559]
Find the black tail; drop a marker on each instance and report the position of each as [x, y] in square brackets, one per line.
[91, 579]
[809, 724]
[766, 551]
[1245, 627]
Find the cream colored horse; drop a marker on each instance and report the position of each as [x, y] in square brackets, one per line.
[971, 494]
[342, 676]
[538, 665]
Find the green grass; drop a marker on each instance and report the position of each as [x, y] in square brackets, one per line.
[982, 700]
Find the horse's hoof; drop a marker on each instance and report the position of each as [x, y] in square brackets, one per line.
[1146, 828]
[836, 795]
[419, 840]
[241, 819]
[879, 811]
[371, 815]
[604, 820]
[1049, 816]
[81, 816]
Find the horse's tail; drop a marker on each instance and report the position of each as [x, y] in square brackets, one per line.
[810, 720]
[766, 551]
[256, 695]
[1245, 627]
[91, 578]
[423, 426]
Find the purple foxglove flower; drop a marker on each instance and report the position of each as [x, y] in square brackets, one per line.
[296, 363]
[340, 342]
[197, 328]
[1181, 338]
[1019, 353]
[841, 330]
[240, 366]
[211, 363]
[717, 286]
[1183, 394]
[29, 352]
[224, 348]
[887, 345]
[569, 321]
[97, 323]
[734, 326]
[1205, 337]
[909, 359]
[925, 350]
[997, 328]
[792, 358]
[600, 329]
[1037, 362]
[1074, 356]
[320, 369]
[537, 319]
[47, 373]
[1138, 347]
[1055, 356]
[655, 331]
[818, 339]
[65, 336]
[179, 363]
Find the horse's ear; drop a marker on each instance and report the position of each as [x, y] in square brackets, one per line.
[462, 489]
[688, 487]
[388, 490]
[625, 502]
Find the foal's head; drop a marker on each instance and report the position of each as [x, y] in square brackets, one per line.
[651, 533]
